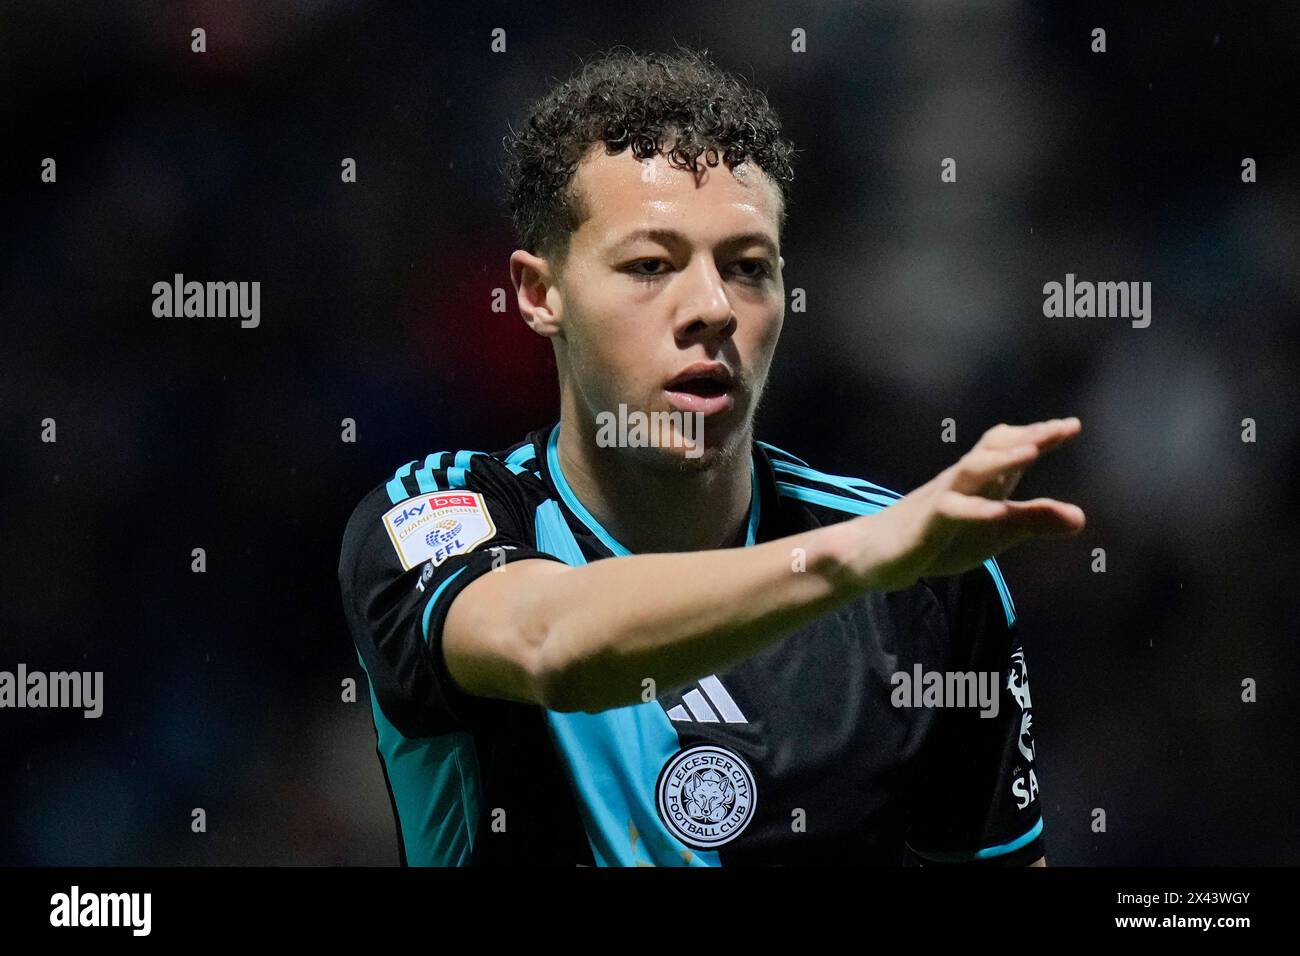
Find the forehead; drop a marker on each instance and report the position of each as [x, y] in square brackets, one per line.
[622, 194]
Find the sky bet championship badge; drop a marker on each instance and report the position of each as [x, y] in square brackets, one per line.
[436, 526]
[706, 796]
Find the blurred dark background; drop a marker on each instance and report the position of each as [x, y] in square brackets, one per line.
[222, 690]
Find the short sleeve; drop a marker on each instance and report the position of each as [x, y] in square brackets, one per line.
[975, 797]
[405, 558]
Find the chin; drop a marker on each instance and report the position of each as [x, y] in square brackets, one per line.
[720, 446]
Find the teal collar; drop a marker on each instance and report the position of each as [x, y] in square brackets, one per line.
[595, 527]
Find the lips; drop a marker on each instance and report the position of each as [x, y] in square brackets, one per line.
[707, 379]
[704, 387]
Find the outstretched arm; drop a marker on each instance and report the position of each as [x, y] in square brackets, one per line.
[586, 638]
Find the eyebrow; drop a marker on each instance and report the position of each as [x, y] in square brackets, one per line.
[672, 236]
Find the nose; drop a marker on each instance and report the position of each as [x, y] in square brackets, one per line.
[706, 311]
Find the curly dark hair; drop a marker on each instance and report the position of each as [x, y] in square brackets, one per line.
[679, 104]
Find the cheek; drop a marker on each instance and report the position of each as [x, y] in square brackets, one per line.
[763, 339]
[615, 364]
[774, 328]
[624, 348]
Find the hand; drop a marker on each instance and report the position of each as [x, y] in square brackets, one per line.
[962, 516]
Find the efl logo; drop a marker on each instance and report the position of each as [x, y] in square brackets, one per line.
[436, 526]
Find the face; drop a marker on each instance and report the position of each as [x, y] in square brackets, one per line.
[670, 300]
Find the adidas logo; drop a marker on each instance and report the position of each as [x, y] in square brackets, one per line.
[698, 708]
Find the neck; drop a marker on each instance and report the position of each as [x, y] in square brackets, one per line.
[650, 509]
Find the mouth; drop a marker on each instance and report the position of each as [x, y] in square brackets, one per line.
[704, 387]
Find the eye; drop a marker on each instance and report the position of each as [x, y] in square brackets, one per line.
[633, 270]
[756, 270]
[762, 270]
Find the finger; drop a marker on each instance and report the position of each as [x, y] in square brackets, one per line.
[955, 506]
[1045, 434]
[992, 472]
[1066, 431]
[1043, 517]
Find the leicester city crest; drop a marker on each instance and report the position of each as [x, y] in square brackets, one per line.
[706, 796]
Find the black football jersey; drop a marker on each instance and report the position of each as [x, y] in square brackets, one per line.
[824, 748]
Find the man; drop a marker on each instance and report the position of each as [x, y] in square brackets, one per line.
[586, 651]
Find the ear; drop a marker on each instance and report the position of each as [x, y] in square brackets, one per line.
[780, 262]
[534, 284]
